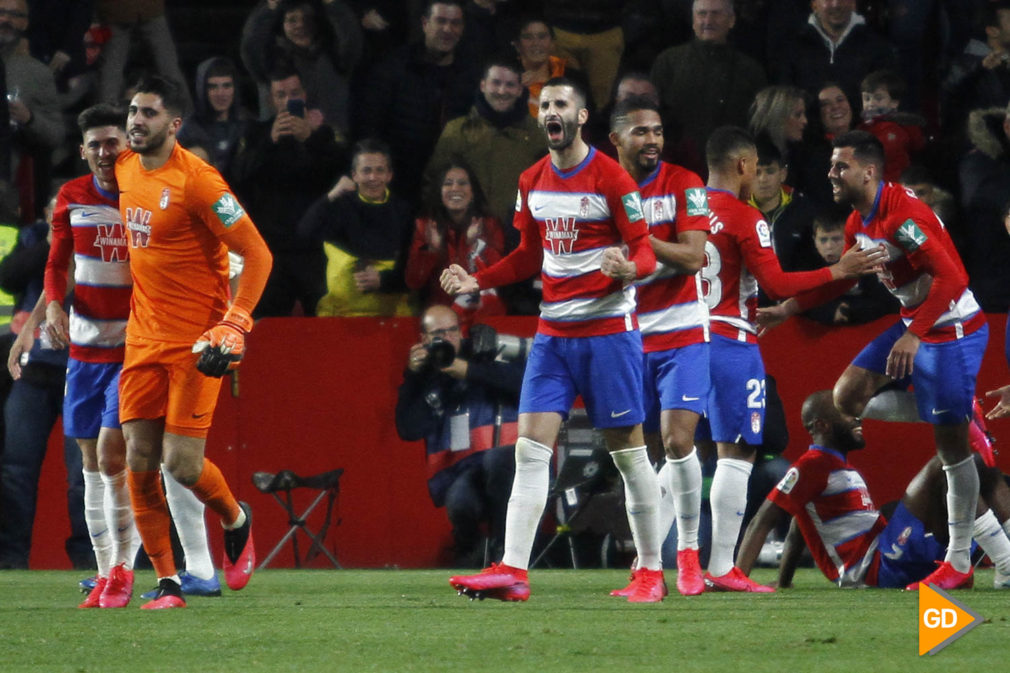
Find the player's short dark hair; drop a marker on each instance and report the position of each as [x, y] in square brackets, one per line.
[430, 3]
[526, 19]
[768, 152]
[99, 115]
[172, 94]
[865, 146]
[725, 144]
[371, 146]
[888, 80]
[506, 61]
[619, 115]
[578, 87]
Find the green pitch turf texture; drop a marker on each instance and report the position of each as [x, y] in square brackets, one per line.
[411, 620]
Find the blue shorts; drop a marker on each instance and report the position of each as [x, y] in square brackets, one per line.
[736, 401]
[907, 554]
[943, 374]
[92, 398]
[605, 370]
[677, 378]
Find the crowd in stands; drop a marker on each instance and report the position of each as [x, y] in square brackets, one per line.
[374, 142]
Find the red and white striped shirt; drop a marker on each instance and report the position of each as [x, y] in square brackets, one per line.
[566, 220]
[670, 312]
[87, 225]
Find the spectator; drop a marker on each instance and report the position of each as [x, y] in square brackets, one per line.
[32, 408]
[589, 36]
[34, 111]
[707, 83]
[465, 410]
[365, 231]
[410, 96]
[458, 229]
[864, 302]
[383, 26]
[127, 19]
[835, 111]
[490, 27]
[788, 213]
[919, 180]
[282, 166]
[320, 39]
[497, 139]
[979, 77]
[56, 35]
[779, 114]
[836, 45]
[985, 183]
[900, 133]
[218, 121]
[534, 44]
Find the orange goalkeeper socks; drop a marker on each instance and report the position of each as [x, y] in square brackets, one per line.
[150, 512]
[213, 491]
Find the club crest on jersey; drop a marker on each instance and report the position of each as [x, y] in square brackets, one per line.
[632, 205]
[755, 422]
[111, 242]
[697, 201]
[584, 207]
[764, 234]
[657, 210]
[789, 481]
[163, 203]
[910, 236]
[561, 233]
[138, 222]
[228, 210]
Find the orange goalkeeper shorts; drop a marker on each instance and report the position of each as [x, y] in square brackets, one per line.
[160, 380]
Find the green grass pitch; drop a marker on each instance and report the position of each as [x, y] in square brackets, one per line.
[411, 620]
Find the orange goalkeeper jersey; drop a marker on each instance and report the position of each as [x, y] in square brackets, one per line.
[176, 216]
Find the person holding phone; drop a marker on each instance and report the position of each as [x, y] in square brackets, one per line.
[283, 165]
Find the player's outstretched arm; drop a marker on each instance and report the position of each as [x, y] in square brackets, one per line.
[1002, 408]
[772, 316]
[792, 549]
[26, 337]
[767, 517]
[456, 281]
[57, 325]
[856, 262]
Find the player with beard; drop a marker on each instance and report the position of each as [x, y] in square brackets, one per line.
[574, 209]
[673, 322]
[938, 344]
[181, 220]
[851, 542]
[739, 257]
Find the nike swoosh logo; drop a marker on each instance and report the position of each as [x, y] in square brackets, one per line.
[689, 399]
[615, 414]
[248, 567]
[87, 213]
[937, 412]
[198, 416]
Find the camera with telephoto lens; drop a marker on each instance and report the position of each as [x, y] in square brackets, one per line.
[486, 342]
[441, 353]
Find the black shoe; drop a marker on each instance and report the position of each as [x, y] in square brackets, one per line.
[168, 595]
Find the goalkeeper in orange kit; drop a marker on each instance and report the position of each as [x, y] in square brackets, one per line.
[182, 336]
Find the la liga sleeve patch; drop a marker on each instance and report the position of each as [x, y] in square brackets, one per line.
[697, 201]
[228, 210]
[910, 236]
[632, 206]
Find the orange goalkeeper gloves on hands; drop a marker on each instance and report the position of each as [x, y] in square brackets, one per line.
[222, 346]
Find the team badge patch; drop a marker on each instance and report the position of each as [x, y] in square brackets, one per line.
[789, 481]
[764, 234]
[228, 210]
[584, 207]
[163, 203]
[519, 201]
[755, 422]
[697, 201]
[632, 206]
[910, 236]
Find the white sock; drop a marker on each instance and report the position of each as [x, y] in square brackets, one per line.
[94, 517]
[893, 405]
[728, 499]
[993, 541]
[527, 502]
[1006, 527]
[119, 514]
[962, 499]
[187, 512]
[685, 480]
[641, 500]
[667, 505]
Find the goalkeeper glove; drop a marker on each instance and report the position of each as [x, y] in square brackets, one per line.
[222, 346]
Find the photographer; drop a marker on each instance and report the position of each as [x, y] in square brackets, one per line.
[463, 403]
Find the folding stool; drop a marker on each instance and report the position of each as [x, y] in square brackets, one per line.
[285, 481]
